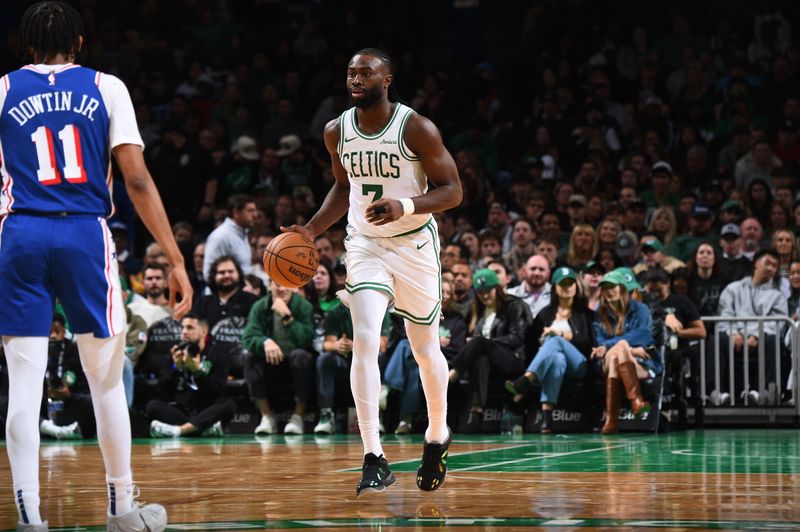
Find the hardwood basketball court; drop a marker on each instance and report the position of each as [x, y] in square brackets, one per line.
[720, 479]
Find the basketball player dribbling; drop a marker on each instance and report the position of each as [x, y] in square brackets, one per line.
[59, 122]
[383, 155]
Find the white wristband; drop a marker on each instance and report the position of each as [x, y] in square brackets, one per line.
[408, 206]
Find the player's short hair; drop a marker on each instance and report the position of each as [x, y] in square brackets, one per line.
[380, 54]
[48, 29]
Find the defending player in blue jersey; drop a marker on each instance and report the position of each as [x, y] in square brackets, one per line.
[59, 124]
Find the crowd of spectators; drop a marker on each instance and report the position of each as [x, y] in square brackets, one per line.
[665, 140]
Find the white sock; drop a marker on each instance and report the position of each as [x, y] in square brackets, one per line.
[27, 361]
[102, 360]
[367, 308]
[120, 495]
[424, 340]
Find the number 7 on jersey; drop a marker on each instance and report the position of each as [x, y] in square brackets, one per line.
[368, 189]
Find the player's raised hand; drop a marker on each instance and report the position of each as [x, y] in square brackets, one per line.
[179, 284]
[383, 211]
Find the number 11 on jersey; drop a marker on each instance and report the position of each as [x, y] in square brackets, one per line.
[73, 170]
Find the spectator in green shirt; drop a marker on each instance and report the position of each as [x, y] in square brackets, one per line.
[279, 334]
[701, 220]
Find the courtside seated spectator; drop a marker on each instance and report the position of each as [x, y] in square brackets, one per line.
[194, 387]
[279, 336]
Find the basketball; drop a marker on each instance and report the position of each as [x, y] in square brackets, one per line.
[291, 260]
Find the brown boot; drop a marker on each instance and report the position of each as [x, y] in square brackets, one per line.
[630, 379]
[613, 398]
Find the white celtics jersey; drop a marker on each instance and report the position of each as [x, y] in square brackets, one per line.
[380, 166]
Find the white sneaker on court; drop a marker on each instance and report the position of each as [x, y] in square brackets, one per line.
[403, 428]
[147, 518]
[159, 429]
[214, 431]
[294, 426]
[267, 425]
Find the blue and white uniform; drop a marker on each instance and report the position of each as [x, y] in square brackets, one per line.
[58, 124]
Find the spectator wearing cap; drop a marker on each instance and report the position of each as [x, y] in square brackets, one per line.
[625, 348]
[661, 193]
[700, 225]
[705, 280]
[681, 316]
[295, 166]
[731, 212]
[496, 345]
[629, 282]
[733, 265]
[591, 276]
[758, 164]
[523, 235]
[653, 254]
[576, 209]
[239, 171]
[582, 246]
[756, 295]
[563, 337]
[634, 216]
[497, 224]
[130, 263]
[230, 238]
[626, 247]
[534, 288]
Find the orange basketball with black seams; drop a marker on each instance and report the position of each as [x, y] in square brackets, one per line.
[291, 260]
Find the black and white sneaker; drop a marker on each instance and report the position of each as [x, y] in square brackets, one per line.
[433, 468]
[375, 475]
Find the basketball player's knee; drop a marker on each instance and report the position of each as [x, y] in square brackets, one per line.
[99, 353]
[366, 340]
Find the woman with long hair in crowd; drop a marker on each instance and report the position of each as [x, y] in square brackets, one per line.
[469, 239]
[607, 233]
[785, 244]
[705, 281]
[759, 200]
[582, 246]
[496, 344]
[623, 331]
[663, 224]
[563, 334]
[609, 259]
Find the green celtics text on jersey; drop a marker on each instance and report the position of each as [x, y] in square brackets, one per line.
[380, 166]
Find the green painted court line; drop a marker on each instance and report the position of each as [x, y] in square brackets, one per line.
[438, 522]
